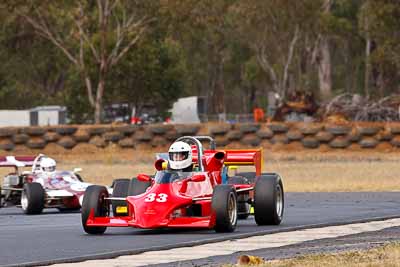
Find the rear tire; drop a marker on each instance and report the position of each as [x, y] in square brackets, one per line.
[242, 198]
[32, 198]
[268, 200]
[120, 189]
[224, 204]
[94, 199]
[137, 187]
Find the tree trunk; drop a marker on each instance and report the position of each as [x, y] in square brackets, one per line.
[367, 67]
[324, 63]
[220, 88]
[325, 70]
[99, 101]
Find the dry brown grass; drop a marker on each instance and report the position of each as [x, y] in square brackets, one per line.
[338, 176]
[302, 176]
[386, 256]
[301, 171]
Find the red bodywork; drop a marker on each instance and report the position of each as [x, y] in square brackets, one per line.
[182, 195]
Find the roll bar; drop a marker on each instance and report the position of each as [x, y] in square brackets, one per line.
[199, 147]
[213, 145]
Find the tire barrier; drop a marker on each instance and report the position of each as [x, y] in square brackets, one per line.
[67, 142]
[310, 142]
[113, 136]
[235, 135]
[20, 138]
[294, 135]
[82, 136]
[324, 137]
[220, 129]
[368, 142]
[51, 137]
[7, 132]
[248, 127]
[364, 135]
[6, 145]
[265, 133]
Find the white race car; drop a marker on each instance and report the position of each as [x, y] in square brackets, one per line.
[37, 189]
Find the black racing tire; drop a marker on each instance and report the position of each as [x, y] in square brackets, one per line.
[32, 198]
[120, 189]
[137, 187]
[268, 200]
[94, 199]
[243, 206]
[224, 204]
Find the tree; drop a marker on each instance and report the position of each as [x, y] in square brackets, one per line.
[272, 29]
[90, 33]
[324, 59]
[155, 70]
[379, 24]
[32, 71]
[204, 29]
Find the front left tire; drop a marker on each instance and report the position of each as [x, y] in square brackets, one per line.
[32, 198]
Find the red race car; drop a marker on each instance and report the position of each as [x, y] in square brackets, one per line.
[191, 189]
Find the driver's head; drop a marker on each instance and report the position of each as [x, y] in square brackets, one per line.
[48, 165]
[179, 155]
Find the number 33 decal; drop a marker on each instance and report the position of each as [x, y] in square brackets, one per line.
[160, 197]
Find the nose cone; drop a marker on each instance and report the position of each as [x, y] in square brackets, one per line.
[153, 208]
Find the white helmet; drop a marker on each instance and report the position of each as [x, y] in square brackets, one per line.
[48, 165]
[179, 155]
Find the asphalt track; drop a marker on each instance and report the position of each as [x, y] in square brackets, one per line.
[58, 237]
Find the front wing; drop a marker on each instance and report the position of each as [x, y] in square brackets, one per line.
[128, 221]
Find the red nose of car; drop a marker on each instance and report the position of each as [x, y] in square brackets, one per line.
[155, 207]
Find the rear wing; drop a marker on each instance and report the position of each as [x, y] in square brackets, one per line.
[245, 157]
[19, 161]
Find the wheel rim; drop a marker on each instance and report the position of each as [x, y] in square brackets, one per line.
[279, 200]
[232, 209]
[24, 200]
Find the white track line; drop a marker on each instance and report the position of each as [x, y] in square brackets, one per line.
[238, 245]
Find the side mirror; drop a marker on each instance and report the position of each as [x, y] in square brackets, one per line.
[76, 170]
[144, 177]
[198, 178]
[161, 164]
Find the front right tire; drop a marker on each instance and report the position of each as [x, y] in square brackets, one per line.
[95, 199]
[224, 204]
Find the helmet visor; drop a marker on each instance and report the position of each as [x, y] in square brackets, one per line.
[178, 156]
[49, 169]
